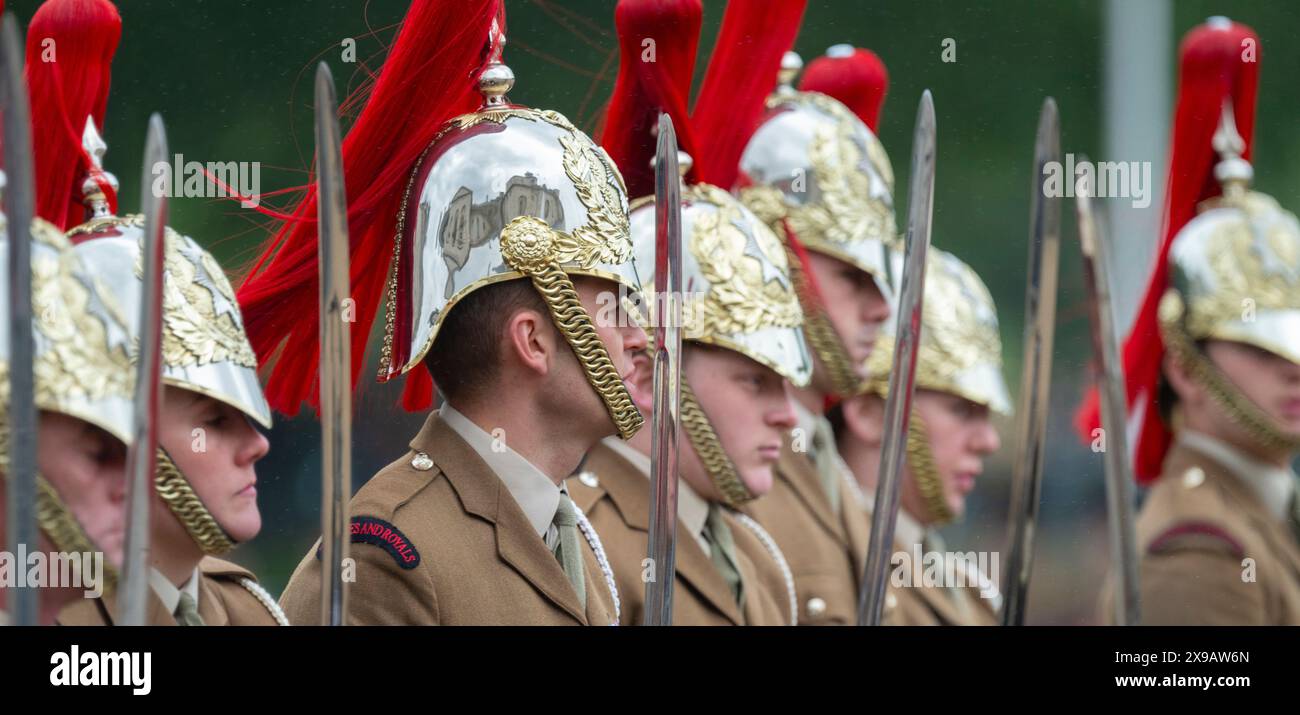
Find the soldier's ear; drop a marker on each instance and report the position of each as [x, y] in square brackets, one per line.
[530, 341]
[1189, 391]
[641, 383]
[864, 418]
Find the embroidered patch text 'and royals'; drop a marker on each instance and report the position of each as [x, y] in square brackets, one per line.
[370, 530]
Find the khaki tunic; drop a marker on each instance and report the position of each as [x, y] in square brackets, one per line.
[1199, 534]
[456, 550]
[937, 605]
[228, 596]
[619, 507]
[826, 549]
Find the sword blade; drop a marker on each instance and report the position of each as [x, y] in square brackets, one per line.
[142, 458]
[667, 378]
[19, 202]
[902, 378]
[1035, 383]
[1109, 378]
[335, 351]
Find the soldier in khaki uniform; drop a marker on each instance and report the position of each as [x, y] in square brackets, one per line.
[845, 226]
[741, 342]
[83, 418]
[512, 232]
[206, 501]
[1218, 536]
[959, 385]
[225, 594]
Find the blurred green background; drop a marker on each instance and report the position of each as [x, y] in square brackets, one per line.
[232, 78]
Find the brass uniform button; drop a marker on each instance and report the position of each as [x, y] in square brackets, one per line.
[1193, 478]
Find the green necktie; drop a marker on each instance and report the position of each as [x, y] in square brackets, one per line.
[722, 549]
[187, 611]
[826, 458]
[567, 549]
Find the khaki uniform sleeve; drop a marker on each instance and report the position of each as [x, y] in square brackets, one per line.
[1198, 581]
[382, 594]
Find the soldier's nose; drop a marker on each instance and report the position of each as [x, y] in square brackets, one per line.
[255, 445]
[783, 415]
[634, 339]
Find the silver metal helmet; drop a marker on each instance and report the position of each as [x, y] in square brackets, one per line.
[505, 193]
[81, 367]
[815, 168]
[205, 349]
[739, 296]
[1235, 267]
[1234, 274]
[735, 273]
[959, 350]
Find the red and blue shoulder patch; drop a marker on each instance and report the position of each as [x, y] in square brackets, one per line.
[377, 532]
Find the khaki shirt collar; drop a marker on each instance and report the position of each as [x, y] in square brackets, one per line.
[908, 532]
[536, 494]
[805, 420]
[692, 509]
[167, 591]
[1272, 485]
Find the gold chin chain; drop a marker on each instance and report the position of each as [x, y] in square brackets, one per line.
[722, 471]
[921, 461]
[63, 529]
[527, 244]
[1238, 407]
[175, 491]
[53, 517]
[819, 333]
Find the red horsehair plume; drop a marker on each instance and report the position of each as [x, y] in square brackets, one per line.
[70, 46]
[429, 77]
[741, 75]
[854, 76]
[658, 40]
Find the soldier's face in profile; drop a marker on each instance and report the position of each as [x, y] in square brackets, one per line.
[215, 446]
[961, 435]
[623, 339]
[87, 467]
[749, 408]
[854, 304]
[1268, 380]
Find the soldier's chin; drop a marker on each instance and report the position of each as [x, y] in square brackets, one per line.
[757, 479]
[956, 503]
[1289, 423]
[112, 545]
[242, 526]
